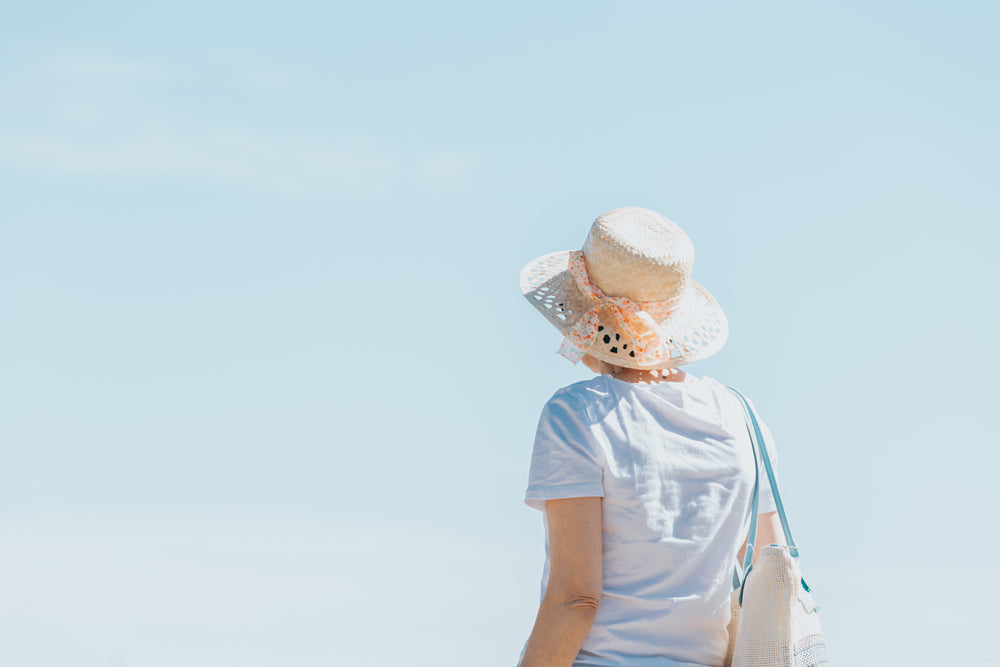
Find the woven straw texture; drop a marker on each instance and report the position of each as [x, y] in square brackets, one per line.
[777, 625]
[640, 255]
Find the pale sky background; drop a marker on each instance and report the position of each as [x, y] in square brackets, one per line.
[269, 388]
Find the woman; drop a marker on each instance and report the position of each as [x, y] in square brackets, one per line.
[644, 473]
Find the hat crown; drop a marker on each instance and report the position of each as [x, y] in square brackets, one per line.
[638, 254]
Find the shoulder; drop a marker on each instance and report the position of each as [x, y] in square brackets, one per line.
[733, 410]
[723, 393]
[589, 397]
[712, 384]
[726, 404]
[591, 389]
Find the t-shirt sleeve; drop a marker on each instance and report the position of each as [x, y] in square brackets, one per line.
[565, 461]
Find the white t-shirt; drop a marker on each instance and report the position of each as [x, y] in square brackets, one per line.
[675, 467]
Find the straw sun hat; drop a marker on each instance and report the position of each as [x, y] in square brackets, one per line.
[627, 298]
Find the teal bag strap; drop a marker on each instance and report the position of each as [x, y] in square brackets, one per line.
[766, 459]
[752, 534]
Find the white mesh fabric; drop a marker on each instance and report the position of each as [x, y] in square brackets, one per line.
[777, 625]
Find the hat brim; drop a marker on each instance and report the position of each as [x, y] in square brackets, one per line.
[695, 330]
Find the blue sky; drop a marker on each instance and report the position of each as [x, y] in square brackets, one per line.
[270, 388]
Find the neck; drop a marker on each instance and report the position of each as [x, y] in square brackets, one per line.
[650, 376]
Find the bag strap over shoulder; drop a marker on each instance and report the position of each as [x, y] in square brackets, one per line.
[757, 441]
[752, 534]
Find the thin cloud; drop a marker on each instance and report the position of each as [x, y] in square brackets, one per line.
[443, 169]
[271, 79]
[97, 67]
[94, 117]
[203, 593]
[274, 163]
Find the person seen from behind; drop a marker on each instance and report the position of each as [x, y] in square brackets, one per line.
[644, 472]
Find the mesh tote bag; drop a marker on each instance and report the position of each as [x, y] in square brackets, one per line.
[774, 621]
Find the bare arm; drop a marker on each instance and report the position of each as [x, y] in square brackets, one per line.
[574, 588]
[768, 532]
